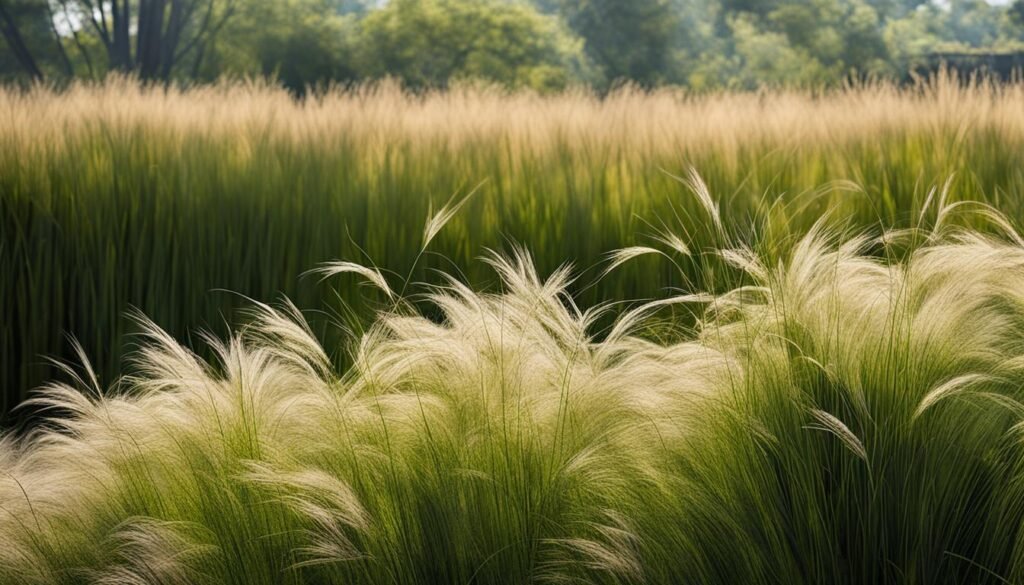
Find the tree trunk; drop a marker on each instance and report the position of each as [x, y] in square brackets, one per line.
[121, 49]
[17, 43]
[150, 33]
[169, 43]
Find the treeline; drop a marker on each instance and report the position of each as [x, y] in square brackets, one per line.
[542, 44]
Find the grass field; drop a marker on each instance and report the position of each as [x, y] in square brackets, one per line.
[790, 350]
[115, 198]
[836, 418]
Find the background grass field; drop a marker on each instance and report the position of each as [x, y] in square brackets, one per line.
[179, 203]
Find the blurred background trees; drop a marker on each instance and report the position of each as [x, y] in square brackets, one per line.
[542, 44]
[428, 43]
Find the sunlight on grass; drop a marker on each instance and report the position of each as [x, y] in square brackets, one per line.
[840, 408]
[115, 197]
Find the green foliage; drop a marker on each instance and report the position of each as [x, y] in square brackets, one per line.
[1017, 13]
[542, 44]
[430, 43]
[804, 43]
[298, 42]
[37, 36]
[974, 23]
[912, 37]
[896, 8]
[423, 43]
[627, 40]
[770, 58]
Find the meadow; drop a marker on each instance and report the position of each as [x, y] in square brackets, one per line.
[489, 337]
[178, 204]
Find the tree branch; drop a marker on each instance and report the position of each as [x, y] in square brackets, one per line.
[205, 30]
[78, 41]
[60, 44]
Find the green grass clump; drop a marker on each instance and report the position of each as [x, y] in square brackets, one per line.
[114, 197]
[849, 411]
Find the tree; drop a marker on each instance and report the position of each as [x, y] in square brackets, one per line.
[758, 7]
[1017, 13]
[626, 39]
[428, 43]
[16, 41]
[895, 8]
[298, 42]
[144, 37]
[975, 23]
[164, 31]
[843, 35]
[770, 58]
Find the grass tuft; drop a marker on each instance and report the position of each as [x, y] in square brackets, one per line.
[839, 412]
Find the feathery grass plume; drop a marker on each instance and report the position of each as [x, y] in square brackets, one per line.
[437, 221]
[956, 386]
[374, 276]
[673, 242]
[504, 439]
[287, 332]
[488, 447]
[709, 204]
[619, 257]
[700, 188]
[829, 423]
[746, 260]
[613, 549]
[330, 505]
[626, 324]
[151, 551]
[886, 341]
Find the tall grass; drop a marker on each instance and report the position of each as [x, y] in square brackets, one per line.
[115, 197]
[848, 410]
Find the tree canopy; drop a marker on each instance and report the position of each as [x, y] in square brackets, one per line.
[542, 44]
[428, 43]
